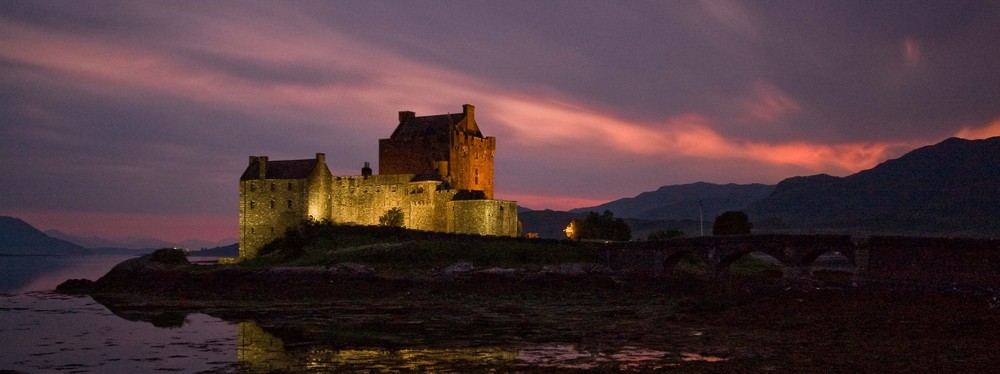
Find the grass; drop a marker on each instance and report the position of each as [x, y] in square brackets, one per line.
[324, 244]
[394, 250]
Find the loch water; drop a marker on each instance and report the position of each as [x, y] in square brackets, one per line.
[43, 331]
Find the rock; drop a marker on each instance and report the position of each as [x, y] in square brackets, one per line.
[502, 271]
[577, 269]
[352, 269]
[76, 287]
[458, 267]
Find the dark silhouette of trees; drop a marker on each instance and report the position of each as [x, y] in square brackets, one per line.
[601, 227]
[732, 223]
[392, 218]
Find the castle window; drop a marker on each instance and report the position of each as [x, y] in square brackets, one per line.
[289, 204]
[272, 229]
[272, 204]
[251, 205]
[253, 187]
[252, 230]
[272, 187]
[394, 188]
[289, 186]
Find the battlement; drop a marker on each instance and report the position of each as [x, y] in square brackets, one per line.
[437, 169]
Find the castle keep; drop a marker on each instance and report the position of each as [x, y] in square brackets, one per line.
[437, 169]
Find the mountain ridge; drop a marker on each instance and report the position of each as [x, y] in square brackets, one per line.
[18, 237]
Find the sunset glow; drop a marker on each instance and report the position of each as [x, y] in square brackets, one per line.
[158, 105]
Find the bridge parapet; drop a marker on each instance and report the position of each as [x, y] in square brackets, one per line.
[876, 259]
[719, 252]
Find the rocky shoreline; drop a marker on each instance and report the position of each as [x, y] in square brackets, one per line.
[320, 313]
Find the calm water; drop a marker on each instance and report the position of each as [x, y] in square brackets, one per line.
[41, 331]
[46, 332]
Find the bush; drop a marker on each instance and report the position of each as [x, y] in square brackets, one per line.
[169, 256]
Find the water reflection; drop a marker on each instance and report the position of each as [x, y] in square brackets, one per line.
[260, 351]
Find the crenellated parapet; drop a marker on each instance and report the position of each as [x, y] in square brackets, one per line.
[438, 170]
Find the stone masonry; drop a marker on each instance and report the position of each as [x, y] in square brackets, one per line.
[438, 169]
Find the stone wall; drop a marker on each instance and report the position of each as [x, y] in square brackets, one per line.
[483, 217]
[471, 163]
[412, 155]
[363, 200]
[268, 207]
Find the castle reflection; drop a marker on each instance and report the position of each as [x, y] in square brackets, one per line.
[258, 350]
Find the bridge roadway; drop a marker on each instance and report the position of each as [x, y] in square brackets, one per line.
[875, 259]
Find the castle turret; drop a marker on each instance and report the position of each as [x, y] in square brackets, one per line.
[367, 170]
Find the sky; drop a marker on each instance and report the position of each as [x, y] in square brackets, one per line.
[137, 118]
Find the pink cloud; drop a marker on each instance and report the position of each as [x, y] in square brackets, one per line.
[556, 202]
[988, 130]
[768, 103]
[911, 51]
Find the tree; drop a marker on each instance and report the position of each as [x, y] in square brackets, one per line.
[392, 218]
[600, 227]
[732, 223]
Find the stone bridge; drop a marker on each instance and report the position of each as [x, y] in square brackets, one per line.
[875, 259]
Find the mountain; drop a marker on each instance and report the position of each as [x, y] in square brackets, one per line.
[20, 238]
[682, 202]
[99, 242]
[131, 244]
[951, 188]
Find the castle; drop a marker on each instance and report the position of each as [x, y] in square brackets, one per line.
[437, 169]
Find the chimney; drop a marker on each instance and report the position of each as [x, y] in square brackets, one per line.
[367, 170]
[406, 115]
[321, 158]
[262, 161]
[470, 112]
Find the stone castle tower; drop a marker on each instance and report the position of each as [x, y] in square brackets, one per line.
[438, 169]
[449, 146]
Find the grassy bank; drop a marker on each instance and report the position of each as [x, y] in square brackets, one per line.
[324, 244]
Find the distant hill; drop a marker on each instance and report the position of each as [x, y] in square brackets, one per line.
[951, 188]
[132, 245]
[20, 238]
[682, 202]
